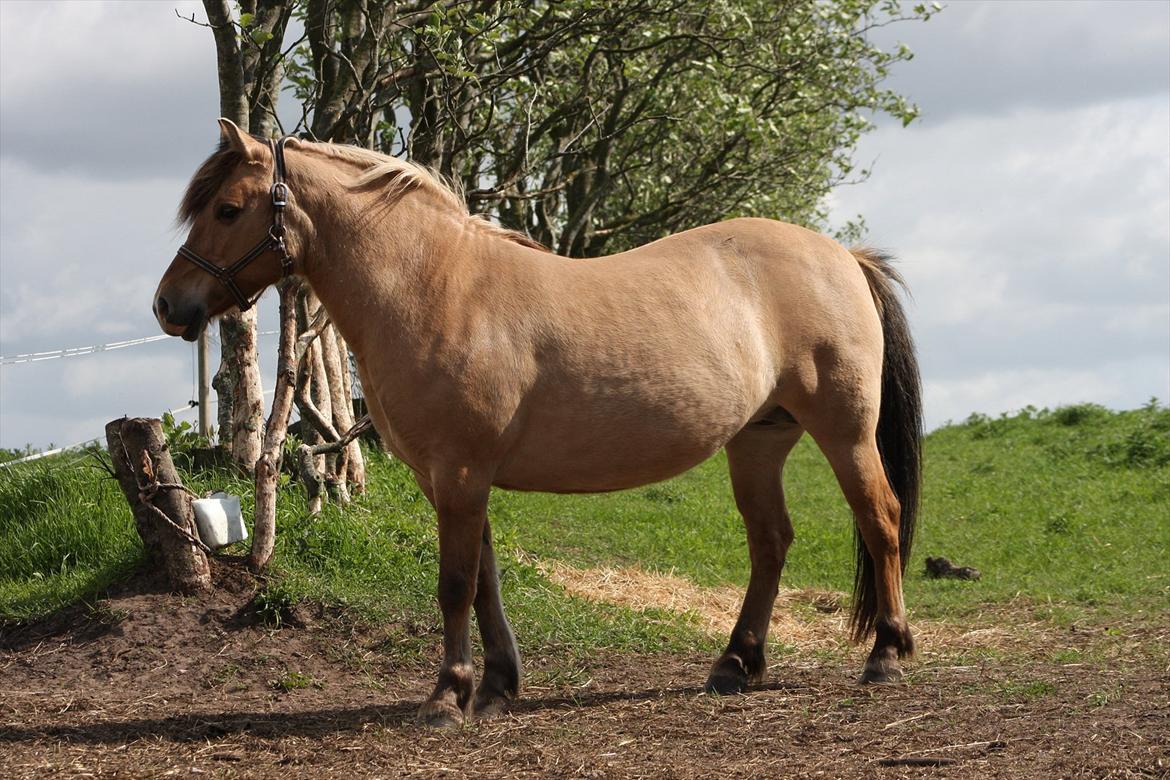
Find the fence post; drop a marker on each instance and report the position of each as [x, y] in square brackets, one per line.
[204, 385]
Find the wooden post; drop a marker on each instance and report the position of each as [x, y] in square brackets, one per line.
[147, 476]
[204, 389]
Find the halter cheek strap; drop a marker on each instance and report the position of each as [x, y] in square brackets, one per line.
[273, 241]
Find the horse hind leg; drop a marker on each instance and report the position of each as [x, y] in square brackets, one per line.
[878, 606]
[756, 459]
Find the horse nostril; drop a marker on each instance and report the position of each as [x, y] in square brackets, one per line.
[161, 307]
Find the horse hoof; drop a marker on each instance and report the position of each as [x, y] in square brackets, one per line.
[728, 676]
[440, 714]
[725, 684]
[881, 673]
[490, 703]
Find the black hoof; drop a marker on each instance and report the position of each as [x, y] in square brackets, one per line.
[881, 672]
[490, 705]
[893, 642]
[440, 714]
[728, 676]
[490, 700]
[498, 687]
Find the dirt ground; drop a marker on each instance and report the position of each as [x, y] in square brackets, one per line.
[148, 685]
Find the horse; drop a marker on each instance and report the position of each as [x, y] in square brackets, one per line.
[489, 361]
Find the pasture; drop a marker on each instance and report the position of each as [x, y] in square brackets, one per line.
[1052, 664]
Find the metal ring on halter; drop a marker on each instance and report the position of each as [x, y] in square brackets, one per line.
[273, 241]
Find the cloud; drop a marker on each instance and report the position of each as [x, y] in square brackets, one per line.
[983, 58]
[111, 90]
[1034, 241]
[80, 257]
[70, 400]
[1111, 384]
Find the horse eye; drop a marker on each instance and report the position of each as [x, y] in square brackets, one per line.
[227, 212]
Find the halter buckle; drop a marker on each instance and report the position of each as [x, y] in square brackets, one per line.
[279, 194]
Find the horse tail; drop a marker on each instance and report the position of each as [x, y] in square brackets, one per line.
[899, 429]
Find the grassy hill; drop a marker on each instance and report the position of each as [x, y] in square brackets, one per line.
[1065, 512]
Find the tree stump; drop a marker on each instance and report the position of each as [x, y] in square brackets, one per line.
[147, 476]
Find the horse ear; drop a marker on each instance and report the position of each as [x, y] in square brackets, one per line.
[243, 143]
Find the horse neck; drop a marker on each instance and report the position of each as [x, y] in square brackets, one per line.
[368, 260]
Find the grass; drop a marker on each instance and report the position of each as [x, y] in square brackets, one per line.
[1064, 512]
[65, 534]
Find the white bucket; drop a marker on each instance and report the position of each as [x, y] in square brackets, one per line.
[219, 520]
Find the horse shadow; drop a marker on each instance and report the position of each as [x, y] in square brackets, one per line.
[319, 723]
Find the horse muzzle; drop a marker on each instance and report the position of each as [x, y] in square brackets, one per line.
[187, 321]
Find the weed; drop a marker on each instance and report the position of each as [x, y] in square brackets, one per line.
[559, 675]
[274, 605]
[1026, 690]
[1067, 656]
[1078, 414]
[102, 612]
[665, 493]
[228, 676]
[292, 681]
[182, 439]
[1101, 698]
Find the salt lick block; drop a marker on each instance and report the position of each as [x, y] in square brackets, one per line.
[219, 520]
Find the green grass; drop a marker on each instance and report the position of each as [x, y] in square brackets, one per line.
[65, 533]
[1065, 512]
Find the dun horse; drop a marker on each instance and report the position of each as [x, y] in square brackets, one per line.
[488, 361]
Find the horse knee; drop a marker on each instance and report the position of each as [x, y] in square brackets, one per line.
[456, 590]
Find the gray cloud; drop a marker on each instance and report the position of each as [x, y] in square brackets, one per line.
[1037, 247]
[988, 57]
[109, 90]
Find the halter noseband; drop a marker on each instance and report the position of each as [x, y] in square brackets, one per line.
[274, 240]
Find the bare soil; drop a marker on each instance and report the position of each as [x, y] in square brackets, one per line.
[146, 684]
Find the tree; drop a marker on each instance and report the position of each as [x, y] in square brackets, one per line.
[595, 126]
[251, 68]
[591, 126]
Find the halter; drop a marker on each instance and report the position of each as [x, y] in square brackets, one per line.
[274, 240]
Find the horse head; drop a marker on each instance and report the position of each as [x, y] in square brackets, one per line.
[235, 207]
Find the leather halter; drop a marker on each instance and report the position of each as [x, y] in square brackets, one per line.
[273, 241]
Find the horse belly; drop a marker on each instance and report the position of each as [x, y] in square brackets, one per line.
[588, 445]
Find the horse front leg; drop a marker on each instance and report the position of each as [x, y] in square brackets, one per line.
[462, 509]
[501, 659]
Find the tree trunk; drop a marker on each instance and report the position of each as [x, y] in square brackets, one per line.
[237, 383]
[341, 406]
[147, 476]
[318, 385]
[238, 388]
[268, 465]
[355, 465]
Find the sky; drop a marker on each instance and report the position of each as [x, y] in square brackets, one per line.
[1029, 205]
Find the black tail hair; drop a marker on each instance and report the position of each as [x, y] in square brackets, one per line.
[899, 430]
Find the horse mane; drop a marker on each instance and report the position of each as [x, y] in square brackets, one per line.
[394, 177]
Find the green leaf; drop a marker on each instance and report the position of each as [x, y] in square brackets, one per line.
[246, 20]
[261, 37]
